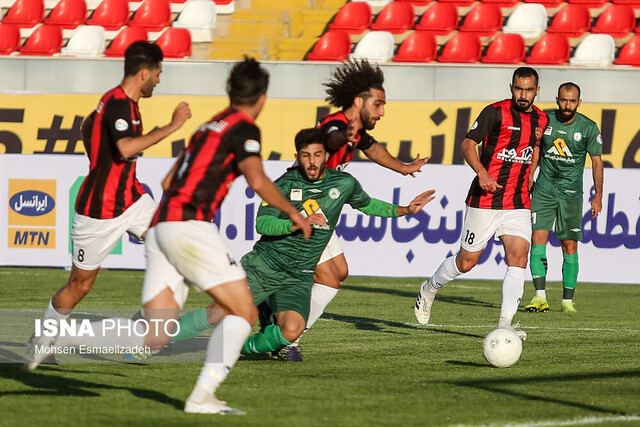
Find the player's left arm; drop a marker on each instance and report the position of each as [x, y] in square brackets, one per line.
[379, 154]
[598, 179]
[535, 160]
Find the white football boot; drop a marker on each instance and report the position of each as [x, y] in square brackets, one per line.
[424, 301]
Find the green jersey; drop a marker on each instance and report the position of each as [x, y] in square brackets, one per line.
[563, 151]
[288, 251]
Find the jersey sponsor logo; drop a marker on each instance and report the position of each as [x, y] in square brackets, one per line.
[599, 139]
[311, 206]
[251, 146]
[511, 155]
[577, 136]
[548, 130]
[121, 125]
[538, 133]
[560, 152]
[296, 195]
[474, 125]
[513, 128]
[334, 193]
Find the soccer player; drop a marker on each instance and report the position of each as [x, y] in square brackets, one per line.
[111, 200]
[498, 201]
[183, 245]
[558, 192]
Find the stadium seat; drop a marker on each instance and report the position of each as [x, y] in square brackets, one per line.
[591, 4]
[199, 17]
[595, 50]
[459, 3]
[152, 15]
[440, 18]
[630, 53]
[375, 3]
[573, 20]
[376, 46]
[505, 49]
[124, 38]
[527, 19]
[225, 7]
[462, 48]
[418, 3]
[332, 46]
[551, 49]
[110, 14]
[396, 18]
[9, 38]
[25, 13]
[617, 20]
[420, 46]
[68, 14]
[175, 42]
[44, 41]
[633, 3]
[549, 4]
[484, 19]
[502, 3]
[353, 17]
[89, 40]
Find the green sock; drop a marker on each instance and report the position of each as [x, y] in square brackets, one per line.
[569, 275]
[269, 340]
[538, 263]
[191, 324]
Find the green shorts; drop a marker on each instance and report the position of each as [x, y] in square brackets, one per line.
[284, 291]
[567, 214]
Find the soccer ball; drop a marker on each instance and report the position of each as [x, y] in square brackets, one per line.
[502, 348]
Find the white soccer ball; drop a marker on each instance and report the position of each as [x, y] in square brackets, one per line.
[502, 348]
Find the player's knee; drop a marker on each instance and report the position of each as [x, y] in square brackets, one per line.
[248, 312]
[80, 287]
[292, 330]
[465, 265]
[343, 273]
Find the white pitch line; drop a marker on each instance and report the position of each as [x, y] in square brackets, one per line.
[574, 422]
[548, 328]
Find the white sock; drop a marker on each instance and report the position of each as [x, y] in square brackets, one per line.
[321, 296]
[223, 352]
[447, 271]
[512, 290]
[126, 333]
[542, 293]
[566, 300]
[52, 313]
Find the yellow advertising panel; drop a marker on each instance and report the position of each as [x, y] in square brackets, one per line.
[32, 213]
[51, 124]
[32, 238]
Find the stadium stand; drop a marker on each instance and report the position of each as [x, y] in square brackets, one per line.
[420, 46]
[175, 42]
[353, 17]
[551, 49]
[124, 38]
[505, 49]
[68, 14]
[440, 18]
[9, 39]
[110, 14]
[527, 19]
[89, 40]
[396, 18]
[462, 48]
[630, 53]
[573, 20]
[152, 15]
[332, 46]
[199, 17]
[25, 13]
[44, 41]
[595, 50]
[618, 20]
[484, 19]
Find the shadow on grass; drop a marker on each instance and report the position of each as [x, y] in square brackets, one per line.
[493, 385]
[469, 301]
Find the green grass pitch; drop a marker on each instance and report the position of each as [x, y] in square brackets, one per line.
[367, 362]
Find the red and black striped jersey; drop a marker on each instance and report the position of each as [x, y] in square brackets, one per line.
[508, 138]
[339, 159]
[209, 166]
[111, 186]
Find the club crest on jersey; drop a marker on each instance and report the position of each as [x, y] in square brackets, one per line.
[295, 195]
[548, 130]
[121, 125]
[599, 139]
[577, 136]
[334, 193]
[538, 133]
[474, 125]
[251, 146]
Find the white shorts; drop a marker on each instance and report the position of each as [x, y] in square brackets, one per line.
[93, 239]
[332, 250]
[480, 225]
[180, 252]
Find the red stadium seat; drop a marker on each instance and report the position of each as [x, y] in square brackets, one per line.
[633, 3]
[551, 49]
[68, 14]
[591, 4]
[9, 38]
[45, 41]
[630, 53]
[458, 3]
[175, 42]
[354, 18]
[573, 20]
[418, 47]
[505, 49]
[152, 15]
[502, 3]
[332, 46]
[617, 20]
[462, 48]
[441, 18]
[416, 2]
[111, 14]
[549, 4]
[484, 19]
[25, 13]
[396, 18]
[124, 38]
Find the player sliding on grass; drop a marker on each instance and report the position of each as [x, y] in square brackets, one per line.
[281, 265]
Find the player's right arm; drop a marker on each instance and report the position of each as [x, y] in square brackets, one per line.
[480, 129]
[535, 161]
[339, 133]
[132, 145]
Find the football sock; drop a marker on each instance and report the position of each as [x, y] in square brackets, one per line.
[223, 352]
[512, 290]
[569, 275]
[321, 296]
[52, 313]
[269, 340]
[447, 271]
[126, 333]
[191, 324]
[539, 266]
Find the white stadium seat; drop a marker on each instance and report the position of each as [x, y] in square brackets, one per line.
[88, 40]
[376, 46]
[595, 49]
[199, 17]
[527, 19]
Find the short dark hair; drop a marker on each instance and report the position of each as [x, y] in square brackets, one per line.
[569, 85]
[247, 82]
[306, 137]
[140, 55]
[353, 78]
[524, 72]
